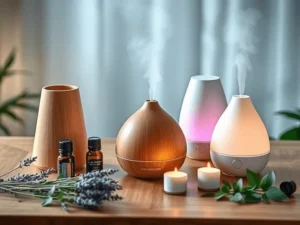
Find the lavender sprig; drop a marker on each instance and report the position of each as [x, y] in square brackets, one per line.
[27, 162]
[95, 187]
[23, 163]
[88, 190]
[32, 177]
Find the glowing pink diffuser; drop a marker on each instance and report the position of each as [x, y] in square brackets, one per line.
[203, 104]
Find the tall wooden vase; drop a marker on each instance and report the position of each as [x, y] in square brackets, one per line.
[60, 117]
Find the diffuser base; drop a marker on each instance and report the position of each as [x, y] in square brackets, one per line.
[149, 169]
[238, 165]
[198, 150]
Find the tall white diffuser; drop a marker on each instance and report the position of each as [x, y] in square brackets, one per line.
[203, 104]
[240, 140]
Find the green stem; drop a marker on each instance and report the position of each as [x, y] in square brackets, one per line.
[35, 195]
[23, 193]
[34, 188]
[10, 171]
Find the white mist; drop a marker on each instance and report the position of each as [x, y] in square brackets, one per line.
[244, 40]
[148, 51]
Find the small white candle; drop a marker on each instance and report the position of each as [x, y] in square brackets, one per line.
[175, 182]
[209, 178]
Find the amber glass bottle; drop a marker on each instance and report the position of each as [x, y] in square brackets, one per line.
[66, 160]
[94, 156]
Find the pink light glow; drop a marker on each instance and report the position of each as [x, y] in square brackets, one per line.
[200, 127]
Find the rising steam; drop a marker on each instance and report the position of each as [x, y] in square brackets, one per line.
[148, 50]
[245, 40]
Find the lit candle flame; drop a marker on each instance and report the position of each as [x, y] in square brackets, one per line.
[175, 169]
[208, 164]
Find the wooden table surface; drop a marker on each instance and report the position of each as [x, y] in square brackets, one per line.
[144, 200]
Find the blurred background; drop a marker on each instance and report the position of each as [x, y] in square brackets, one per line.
[87, 43]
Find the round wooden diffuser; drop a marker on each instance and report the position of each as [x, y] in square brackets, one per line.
[150, 143]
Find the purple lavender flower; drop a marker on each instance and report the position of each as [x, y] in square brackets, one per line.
[32, 177]
[95, 187]
[27, 162]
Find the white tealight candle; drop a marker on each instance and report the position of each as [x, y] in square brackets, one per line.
[175, 182]
[209, 178]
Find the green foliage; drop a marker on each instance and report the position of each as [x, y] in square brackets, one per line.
[265, 198]
[253, 179]
[227, 184]
[267, 181]
[19, 101]
[237, 197]
[291, 134]
[294, 132]
[47, 201]
[252, 197]
[276, 194]
[258, 189]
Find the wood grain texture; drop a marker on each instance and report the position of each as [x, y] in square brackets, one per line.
[150, 142]
[60, 117]
[146, 203]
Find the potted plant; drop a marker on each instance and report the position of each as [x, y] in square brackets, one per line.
[19, 101]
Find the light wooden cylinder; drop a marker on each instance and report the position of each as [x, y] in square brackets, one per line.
[150, 143]
[60, 117]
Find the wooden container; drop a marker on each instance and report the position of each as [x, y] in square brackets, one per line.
[150, 143]
[60, 117]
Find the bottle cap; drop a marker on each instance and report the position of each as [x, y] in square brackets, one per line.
[94, 143]
[65, 146]
[288, 187]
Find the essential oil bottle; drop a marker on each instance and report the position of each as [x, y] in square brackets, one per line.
[66, 160]
[94, 156]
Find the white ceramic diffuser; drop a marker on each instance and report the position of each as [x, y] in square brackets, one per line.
[240, 140]
[203, 104]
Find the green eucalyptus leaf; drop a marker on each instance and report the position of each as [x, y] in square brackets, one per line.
[5, 129]
[239, 185]
[265, 199]
[52, 190]
[227, 184]
[252, 197]
[253, 179]
[291, 134]
[234, 187]
[225, 189]
[47, 201]
[248, 189]
[289, 114]
[276, 194]
[267, 181]
[220, 195]
[237, 197]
